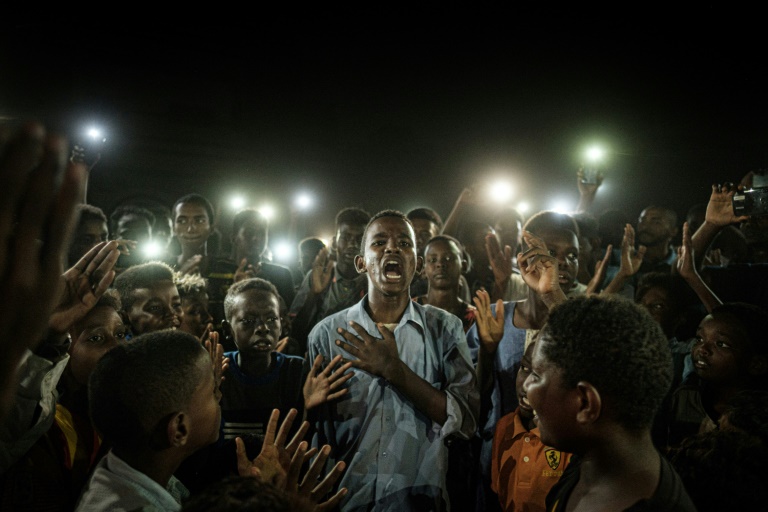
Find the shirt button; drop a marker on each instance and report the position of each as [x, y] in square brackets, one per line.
[527, 439]
[384, 454]
[526, 459]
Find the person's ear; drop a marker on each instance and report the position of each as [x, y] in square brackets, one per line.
[229, 332]
[465, 265]
[419, 265]
[590, 404]
[360, 264]
[177, 430]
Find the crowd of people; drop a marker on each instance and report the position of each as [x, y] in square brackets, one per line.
[557, 362]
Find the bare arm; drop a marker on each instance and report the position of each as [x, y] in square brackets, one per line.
[718, 215]
[687, 270]
[631, 259]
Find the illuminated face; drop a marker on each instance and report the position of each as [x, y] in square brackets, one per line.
[137, 228]
[443, 265]
[255, 323]
[390, 258]
[510, 232]
[425, 230]
[203, 411]
[348, 240]
[100, 331]
[191, 226]
[526, 411]
[250, 241]
[162, 231]
[550, 398]
[564, 246]
[721, 351]
[88, 234]
[155, 308]
[196, 316]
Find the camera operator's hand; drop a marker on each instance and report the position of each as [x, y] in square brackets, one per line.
[720, 206]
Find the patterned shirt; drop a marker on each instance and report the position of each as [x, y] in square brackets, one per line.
[396, 456]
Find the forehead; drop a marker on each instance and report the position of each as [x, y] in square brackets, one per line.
[92, 226]
[195, 297]
[655, 214]
[252, 225]
[346, 228]
[424, 225]
[654, 294]
[726, 325]
[440, 246]
[560, 237]
[100, 316]
[160, 289]
[133, 220]
[190, 210]
[389, 226]
[257, 301]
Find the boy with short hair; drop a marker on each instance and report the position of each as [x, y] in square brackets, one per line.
[155, 415]
[600, 370]
[194, 304]
[150, 298]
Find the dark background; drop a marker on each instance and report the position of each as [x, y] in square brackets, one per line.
[400, 106]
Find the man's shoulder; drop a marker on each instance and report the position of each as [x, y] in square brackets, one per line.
[275, 269]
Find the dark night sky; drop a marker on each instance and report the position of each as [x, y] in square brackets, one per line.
[400, 109]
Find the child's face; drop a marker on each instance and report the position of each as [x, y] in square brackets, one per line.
[721, 350]
[526, 411]
[155, 308]
[425, 229]
[88, 234]
[100, 331]
[191, 225]
[203, 411]
[390, 256]
[250, 241]
[196, 316]
[656, 301]
[550, 398]
[255, 323]
[564, 246]
[443, 265]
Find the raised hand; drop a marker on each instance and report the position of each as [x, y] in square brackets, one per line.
[601, 268]
[84, 284]
[246, 271]
[490, 328]
[501, 261]
[322, 272]
[685, 265]
[309, 488]
[631, 258]
[192, 265]
[540, 270]
[274, 461]
[720, 206]
[588, 189]
[216, 353]
[324, 385]
[377, 356]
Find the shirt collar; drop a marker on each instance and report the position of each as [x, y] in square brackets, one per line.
[414, 315]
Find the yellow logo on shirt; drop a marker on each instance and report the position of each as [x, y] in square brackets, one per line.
[553, 457]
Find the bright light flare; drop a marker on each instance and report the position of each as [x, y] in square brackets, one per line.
[267, 211]
[500, 191]
[561, 207]
[283, 251]
[595, 154]
[237, 202]
[523, 207]
[304, 201]
[152, 250]
[95, 134]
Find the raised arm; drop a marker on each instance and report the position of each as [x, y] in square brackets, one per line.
[687, 270]
[631, 259]
[718, 215]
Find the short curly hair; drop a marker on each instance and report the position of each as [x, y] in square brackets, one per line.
[255, 283]
[426, 214]
[352, 215]
[190, 285]
[617, 347]
[385, 213]
[144, 275]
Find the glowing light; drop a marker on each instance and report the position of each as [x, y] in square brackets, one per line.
[95, 134]
[303, 201]
[152, 249]
[595, 154]
[237, 202]
[267, 211]
[523, 207]
[283, 251]
[561, 207]
[500, 191]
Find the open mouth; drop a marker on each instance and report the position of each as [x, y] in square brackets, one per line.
[524, 403]
[564, 278]
[262, 345]
[393, 270]
[700, 364]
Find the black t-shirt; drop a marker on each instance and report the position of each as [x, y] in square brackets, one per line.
[670, 495]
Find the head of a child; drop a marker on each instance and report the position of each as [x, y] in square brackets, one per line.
[388, 255]
[252, 311]
[350, 225]
[156, 394]
[98, 332]
[149, 297]
[661, 295]
[560, 232]
[730, 350]
[600, 365]
[444, 263]
[194, 303]
[90, 230]
[250, 232]
[526, 411]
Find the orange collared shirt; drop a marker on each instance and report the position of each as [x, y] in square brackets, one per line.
[523, 470]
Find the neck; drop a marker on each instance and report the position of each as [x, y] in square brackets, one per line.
[531, 313]
[187, 251]
[655, 253]
[386, 309]
[346, 271]
[444, 299]
[157, 465]
[253, 366]
[620, 456]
